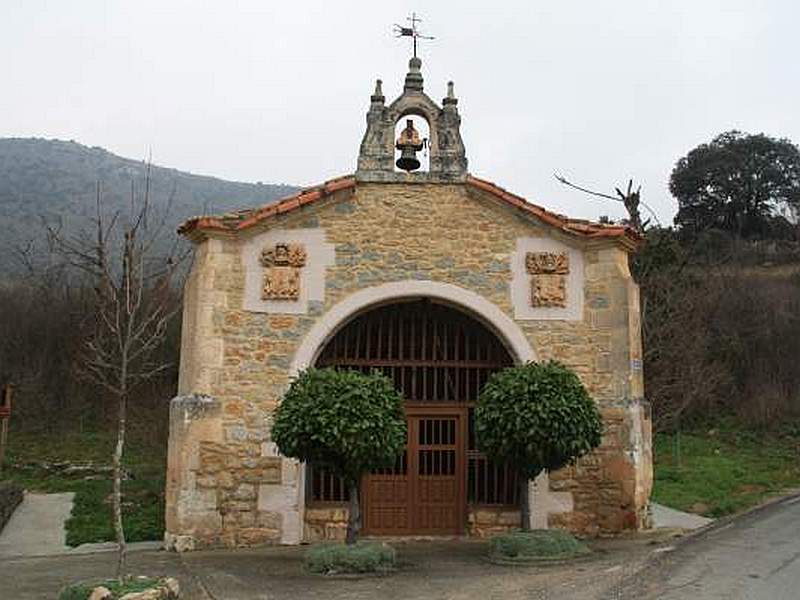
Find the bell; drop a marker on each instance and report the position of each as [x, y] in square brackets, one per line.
[408, 160]
[409, 144]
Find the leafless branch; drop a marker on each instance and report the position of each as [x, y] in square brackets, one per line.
[631, 200]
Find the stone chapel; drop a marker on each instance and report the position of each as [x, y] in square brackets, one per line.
[436, 278]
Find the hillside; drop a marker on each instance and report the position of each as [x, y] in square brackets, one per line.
[55, 180]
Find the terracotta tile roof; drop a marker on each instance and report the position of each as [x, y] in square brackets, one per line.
[237, 221]
[243, 219]
[575, 226]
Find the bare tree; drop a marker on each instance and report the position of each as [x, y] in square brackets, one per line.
[631, 199]
[135, 297]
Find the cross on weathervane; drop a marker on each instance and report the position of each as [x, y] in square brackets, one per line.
[411, 32]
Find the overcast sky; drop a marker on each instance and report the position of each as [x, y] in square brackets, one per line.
[599, 90]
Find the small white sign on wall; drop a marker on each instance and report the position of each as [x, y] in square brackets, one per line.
[274, 287]
[523, 282]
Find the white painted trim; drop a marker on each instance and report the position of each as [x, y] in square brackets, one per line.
[477, 306]
[320, 254]
[521, 282]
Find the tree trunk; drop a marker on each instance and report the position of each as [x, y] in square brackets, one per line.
[354, 515]
[524, 505]
[118, 529]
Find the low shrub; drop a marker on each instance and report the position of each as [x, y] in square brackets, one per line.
[536, 545]
[361, 557]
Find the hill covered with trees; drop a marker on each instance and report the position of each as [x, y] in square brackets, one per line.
[55, 181]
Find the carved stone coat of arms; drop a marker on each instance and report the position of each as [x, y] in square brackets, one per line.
[549, 282]
[283, 263]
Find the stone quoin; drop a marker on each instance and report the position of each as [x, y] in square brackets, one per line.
[435, 277]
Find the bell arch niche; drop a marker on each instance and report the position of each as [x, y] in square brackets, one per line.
[422, 155]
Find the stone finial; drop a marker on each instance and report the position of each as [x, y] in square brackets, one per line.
[377, 95]
[451, 99]
[414, 76]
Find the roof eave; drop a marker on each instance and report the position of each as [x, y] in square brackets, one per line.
[626, 236]
[201, 227]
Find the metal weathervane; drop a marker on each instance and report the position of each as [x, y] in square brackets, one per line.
[412, 32]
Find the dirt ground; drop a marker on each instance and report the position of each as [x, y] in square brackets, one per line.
[441, 569]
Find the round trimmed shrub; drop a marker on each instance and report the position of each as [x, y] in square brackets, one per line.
[345, 421]
[536, 417]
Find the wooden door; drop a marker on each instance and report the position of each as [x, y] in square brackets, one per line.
[424, 493]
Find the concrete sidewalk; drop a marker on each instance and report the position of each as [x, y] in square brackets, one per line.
[37, 526]
[663, 516]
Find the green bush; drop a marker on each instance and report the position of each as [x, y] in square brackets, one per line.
[81, 591]
[536, 416]
[345, 421]
[362, 557]
[538, 544]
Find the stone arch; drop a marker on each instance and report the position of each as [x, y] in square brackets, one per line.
[418, 105]
[328, 324]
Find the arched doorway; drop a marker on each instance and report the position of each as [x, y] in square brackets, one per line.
[439, 359]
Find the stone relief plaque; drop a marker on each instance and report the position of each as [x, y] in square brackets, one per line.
[548, 291]
[542, 263]
[549, 282]
[283, 263]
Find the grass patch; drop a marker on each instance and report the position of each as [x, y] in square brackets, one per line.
[535, 545]
[361, 557]
[722, 471]
[81, 591]
[91, 519]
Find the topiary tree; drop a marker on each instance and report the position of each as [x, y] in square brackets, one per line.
[536, 416]
[345, 421]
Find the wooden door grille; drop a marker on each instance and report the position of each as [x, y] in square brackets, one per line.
[436, 356]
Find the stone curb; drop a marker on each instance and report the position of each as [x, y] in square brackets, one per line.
[544, 562]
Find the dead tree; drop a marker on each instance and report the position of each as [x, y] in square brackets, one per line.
[631, 199]
[135, 297]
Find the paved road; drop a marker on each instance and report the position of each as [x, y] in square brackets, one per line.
[755, 557]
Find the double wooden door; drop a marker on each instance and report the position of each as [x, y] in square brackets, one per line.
[425, 492]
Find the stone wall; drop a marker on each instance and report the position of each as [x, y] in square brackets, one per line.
[325, 523]
[486, 521]
[222, 464]
[329, 523]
